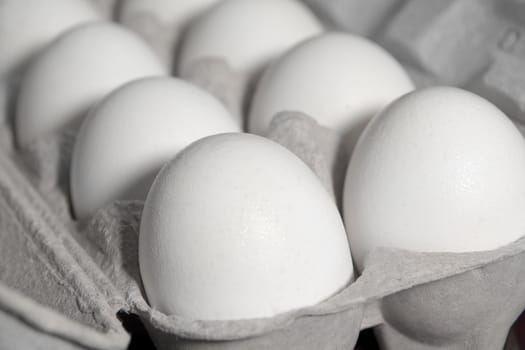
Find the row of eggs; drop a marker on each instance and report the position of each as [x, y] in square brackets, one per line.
[235, 226]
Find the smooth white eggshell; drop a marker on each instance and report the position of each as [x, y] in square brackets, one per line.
[439, 170]
[75, 72]
[341, 80]
[238, 227]
[247, 34]
[26, 26]
[129, 136]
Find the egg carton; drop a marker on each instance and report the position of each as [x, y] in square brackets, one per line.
[64, 282]
[89, 272]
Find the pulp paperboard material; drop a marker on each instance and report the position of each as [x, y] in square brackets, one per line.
[219, 79]
[89, 271]
[63, 282]
[44, 292]
[421, 300]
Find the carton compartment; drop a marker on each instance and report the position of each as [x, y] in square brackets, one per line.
[37, 268]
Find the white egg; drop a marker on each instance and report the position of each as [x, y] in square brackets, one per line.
[26, 26]
[238, 227]
[247, 34]
[161, 22]
[129, 136]
[439, 170]
[341, 80]
[75, 72]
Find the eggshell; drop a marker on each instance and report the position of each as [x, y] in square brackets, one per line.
[439, 170]
[237, 227]
[75, 72]
[247, 34]
[161, 22]
[341, 80]
[26, 26]
[125, 141]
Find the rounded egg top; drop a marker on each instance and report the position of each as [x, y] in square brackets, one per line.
[339, 79]
[74, 72]
[438, 170]
[238, 227]
[127, 138]
[247, 34]
[27, 26]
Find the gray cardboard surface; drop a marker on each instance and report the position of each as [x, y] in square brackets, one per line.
[360, 17]
[393, 281]
[319, 147]
[162, 36]
[37, 262]
[472, 310]
[217, 77]
[62, 282]
[18, 335]
[425, 280]
[113, 232]
[105, 7]
[424, 298]
[6, 138]
[25, 324]
[110, 239]
[504, 84]
[331, 331]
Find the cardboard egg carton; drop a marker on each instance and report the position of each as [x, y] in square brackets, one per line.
[46, 297]
[63, 283]
[475, 44]
[88, 272]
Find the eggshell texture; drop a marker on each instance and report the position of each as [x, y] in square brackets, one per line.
[26, 26]
[125, 140]
[238, 227]
[341, 80]
[75, 72]
[247, 34]
[439, 170]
